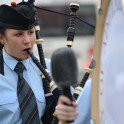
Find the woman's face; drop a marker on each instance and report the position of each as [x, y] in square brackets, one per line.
[17, 41]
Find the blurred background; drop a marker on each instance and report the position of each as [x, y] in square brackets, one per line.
[54, 28]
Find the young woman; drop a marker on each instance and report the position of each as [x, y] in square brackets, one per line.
[21, 91]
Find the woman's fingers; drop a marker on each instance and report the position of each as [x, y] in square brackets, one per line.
[65, 110]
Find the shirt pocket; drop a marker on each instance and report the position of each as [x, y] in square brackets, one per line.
[7, 98]
[9, 109]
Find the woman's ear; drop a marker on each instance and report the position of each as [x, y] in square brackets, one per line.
[1, 42]
[1, 39]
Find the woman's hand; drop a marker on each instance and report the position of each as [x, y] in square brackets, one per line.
[65, 110]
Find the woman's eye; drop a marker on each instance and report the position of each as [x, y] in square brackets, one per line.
[18, 34]
[31, 32]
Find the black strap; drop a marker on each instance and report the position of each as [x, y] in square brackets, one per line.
[1, 63]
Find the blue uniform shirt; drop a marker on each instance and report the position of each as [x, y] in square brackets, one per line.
[9, 106]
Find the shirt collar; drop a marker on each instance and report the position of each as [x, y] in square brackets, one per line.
[11, 62]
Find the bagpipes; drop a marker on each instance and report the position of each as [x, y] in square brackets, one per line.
[51, 90]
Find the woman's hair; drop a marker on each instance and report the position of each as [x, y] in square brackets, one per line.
[2, 30]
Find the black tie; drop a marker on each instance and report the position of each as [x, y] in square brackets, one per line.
[26, 98]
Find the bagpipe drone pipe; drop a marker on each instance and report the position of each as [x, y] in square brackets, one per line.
[51, 91]
[70, 38]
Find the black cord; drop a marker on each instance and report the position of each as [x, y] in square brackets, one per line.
[64, 14]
